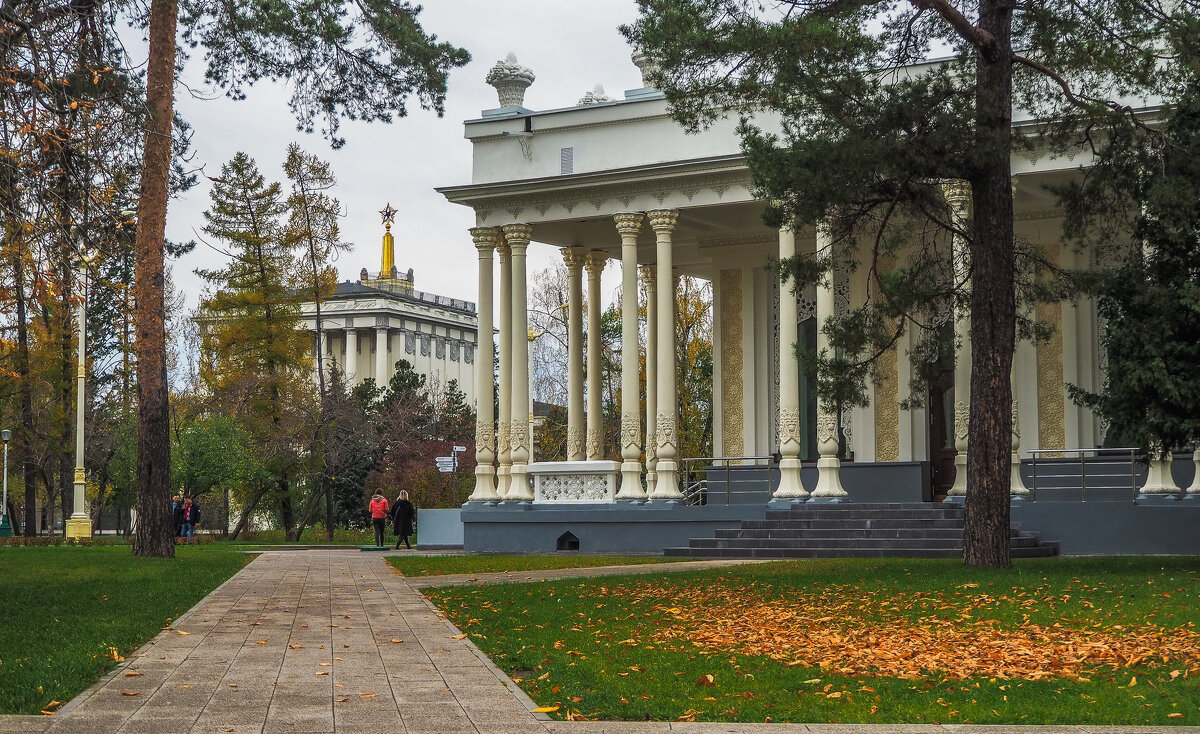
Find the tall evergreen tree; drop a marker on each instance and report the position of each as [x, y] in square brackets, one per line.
[869, 133]
[254, 353]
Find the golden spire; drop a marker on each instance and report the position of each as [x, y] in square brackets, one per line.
[389, 243]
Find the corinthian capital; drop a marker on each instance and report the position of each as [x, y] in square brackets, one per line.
[596, 260]
[517, 235]
[628, 223]
[663, 220]
[573, 257]
[485, 238]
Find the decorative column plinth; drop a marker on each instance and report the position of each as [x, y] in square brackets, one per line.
[829, 478]
[1016, 485]
[1193, 490]
[77, 527]
[1159, 486]
[962, 417]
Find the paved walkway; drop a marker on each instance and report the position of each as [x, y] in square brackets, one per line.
[335, 642]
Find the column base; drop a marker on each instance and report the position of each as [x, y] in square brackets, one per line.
[79, 527]
[503, 480]
[666, 484]
[5, 527]
[1016, 485]
[631, 482]
[790, 487]
[959, 488]
[780, 503]
[651, 480]
[829, 482]
[1157, 499]
[519, 488]
[1158, 479]
[485, 484]
[955, 499]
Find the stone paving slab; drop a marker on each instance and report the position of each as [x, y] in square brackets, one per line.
[302, 643]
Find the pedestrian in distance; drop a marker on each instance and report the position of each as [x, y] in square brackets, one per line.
[404, 517]
[176, 512]
[190, 517]
[379, 515]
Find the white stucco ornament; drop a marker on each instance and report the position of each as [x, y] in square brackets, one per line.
[646, 65]
[510, 80]
[596, 96]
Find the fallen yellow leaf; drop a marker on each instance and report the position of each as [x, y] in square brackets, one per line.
[131, 673]
[459, 637]
[130, 693]
[547, 709]
[182, 632]
[367, 695]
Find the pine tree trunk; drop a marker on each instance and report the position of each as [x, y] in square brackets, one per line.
[155, 532]
[993, 309]
[25, 434]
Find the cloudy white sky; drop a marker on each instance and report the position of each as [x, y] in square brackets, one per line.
[570, 45]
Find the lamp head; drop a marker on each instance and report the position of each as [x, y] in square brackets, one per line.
[5, 435]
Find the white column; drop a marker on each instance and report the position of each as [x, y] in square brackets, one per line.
[594, 265]
[574, 257]
[958, 195]
[649, 277]
[628, 226]
[790, 487]
[666, 486]
[381, 352]
[351, 366]
[485, 239]
[829, 481]
[503, 444]
[79, 525]
[519, 488]
[319, 357]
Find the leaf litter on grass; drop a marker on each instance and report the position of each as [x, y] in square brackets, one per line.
[845, 631]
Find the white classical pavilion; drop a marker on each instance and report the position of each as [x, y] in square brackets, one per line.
[371, 324]
[619, 180]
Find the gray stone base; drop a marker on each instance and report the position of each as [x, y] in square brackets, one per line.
[605, 528]
[1114, 528]
[1157, 499]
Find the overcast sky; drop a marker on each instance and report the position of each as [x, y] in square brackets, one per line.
[571, 47]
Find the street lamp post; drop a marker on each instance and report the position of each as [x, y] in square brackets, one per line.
[79, 525]
[5, 525]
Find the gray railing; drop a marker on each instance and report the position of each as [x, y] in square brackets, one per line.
[1099, 461]
[698, 473]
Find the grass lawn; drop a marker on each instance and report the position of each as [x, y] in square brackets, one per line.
[1052, 641]
[463, 563]
[68, 615]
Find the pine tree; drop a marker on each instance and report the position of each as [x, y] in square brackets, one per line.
[254, 353]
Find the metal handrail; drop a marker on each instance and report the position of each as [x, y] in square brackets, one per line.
[1129, 453]
[690, 463]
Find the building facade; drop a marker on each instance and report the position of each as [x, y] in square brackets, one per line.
[371, 324]
[620, 180]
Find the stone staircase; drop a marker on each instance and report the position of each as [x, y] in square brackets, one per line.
[851, 530]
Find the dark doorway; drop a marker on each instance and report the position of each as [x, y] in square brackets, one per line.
[568, 542]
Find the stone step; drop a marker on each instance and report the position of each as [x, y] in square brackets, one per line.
[818, 543]
[850, 532]
[845, 512]
[849, 523]
[809, 553]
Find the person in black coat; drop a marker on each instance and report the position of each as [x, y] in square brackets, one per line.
[176, 513]
[404, 515]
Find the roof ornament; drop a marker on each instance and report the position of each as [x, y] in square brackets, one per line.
[510, 80]
[596, 96]
[389, 215]
[647, 65]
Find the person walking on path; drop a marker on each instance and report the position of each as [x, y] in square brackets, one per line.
[403, 515]
[379, 514]
[189, 516]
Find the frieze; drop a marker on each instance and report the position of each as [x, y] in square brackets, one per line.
[593, 443]
[425, 345]
[469, 353]
[485, 437]
[410, 342]
[518, 435]
[439, 348]
[665, 433]
[827, 425]
[630, 431]
[574, 442]
[789, 426]
[454, 349]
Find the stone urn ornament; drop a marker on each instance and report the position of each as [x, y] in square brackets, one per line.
[510, 80]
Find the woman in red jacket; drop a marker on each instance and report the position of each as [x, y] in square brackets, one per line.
[379, 514]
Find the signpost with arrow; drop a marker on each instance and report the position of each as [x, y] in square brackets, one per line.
[449, 465]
